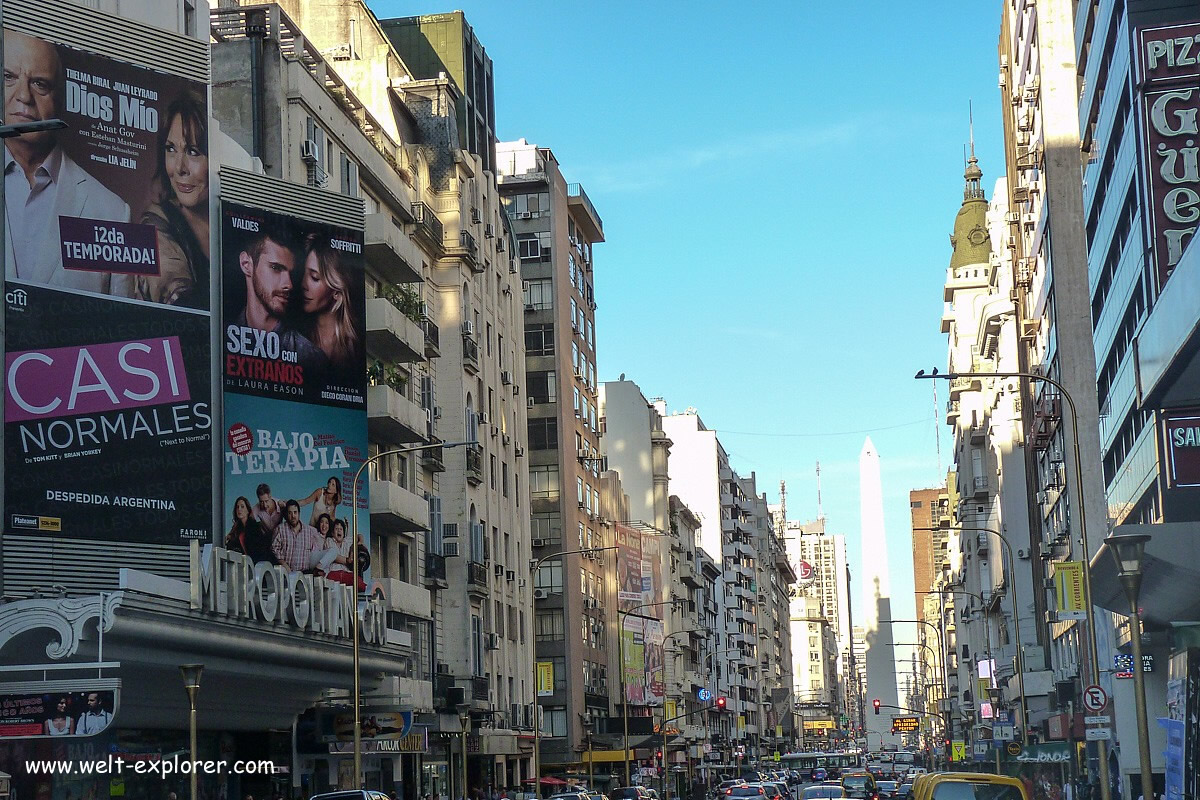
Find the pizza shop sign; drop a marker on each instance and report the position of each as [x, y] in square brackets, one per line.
[1181, 431]
[1170, 102]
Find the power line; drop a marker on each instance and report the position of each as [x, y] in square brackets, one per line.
[724, 432]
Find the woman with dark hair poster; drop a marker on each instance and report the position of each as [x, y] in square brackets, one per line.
[179, 212]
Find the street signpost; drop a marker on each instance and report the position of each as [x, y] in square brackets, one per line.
[1095, 698]
[1097, 734]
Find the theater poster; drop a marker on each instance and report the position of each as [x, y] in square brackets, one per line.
[107, 407]
[294, 372]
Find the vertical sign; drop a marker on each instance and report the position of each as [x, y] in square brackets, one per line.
[1169, 76]
[545, 678]
[1181, 434]
[107, 407]
[1068, 589]
[629, 568]
[294, 390]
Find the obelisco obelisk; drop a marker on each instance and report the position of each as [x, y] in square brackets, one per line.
[877, 603]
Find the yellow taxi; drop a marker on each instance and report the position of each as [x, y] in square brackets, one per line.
[967, 786]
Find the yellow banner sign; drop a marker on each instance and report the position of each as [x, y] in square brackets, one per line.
[1068, 589]
[670, 709]
[818, 724]
[545, 678]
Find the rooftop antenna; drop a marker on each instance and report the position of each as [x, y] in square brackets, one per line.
[971, 124]
[820, 511]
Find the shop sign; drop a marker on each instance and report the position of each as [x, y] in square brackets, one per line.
[1068, 590]
[1181, 430]
[1123, 664]
[415, 742]
[69, 711]
[1167, 67]
[818, 724]
[229, 584]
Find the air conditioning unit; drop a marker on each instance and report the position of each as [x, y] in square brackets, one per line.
[495, 431]
[583, 455]
[524, 215]
[468, 328]
[540, 543]
[530, 402]
[493, 641]
[518, 451]
[529, 308]
[499, 570]
[500, 247]
[481, 417]
[1022, 553]
[450, 549]
[540, 594]
[506, 439]
[309, 152]
[425, 309]
[510, 575]
[489, 231]
[582, 506]
[443, 669]
[578, 373]
[505, 377]
[437, 412]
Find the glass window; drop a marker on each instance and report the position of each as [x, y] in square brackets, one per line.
[543, 433]
[539, 340]
[548, 625]
[554, 722]
[538, 294]
[542, 386]
[547, 526]
[528, 247]
[579, 490]
[543, 482]
[549, 576]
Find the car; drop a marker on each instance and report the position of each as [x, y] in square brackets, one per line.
[745, 790]
[351, 794]
[905, 790]
[770, 790]
[818, 774]
[822, 792]
[571, 795]
[888, 789]
[861, 785]
[629, 793]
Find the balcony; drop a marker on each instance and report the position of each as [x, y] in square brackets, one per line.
[952, 411]
[466, 249]
[435, 571]
[409, 598]
[395, 509]
[474, 464]
[429, 228]
[589, 221]
[477, 577]
[979, 485]
[470, 354]
[434, 459]
[385, 245]
[393, 417]
[391, 335]
[433, 345]
[687, 574]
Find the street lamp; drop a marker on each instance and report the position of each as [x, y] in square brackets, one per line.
[942, 657]
[464, 724]
[534, 566]
[354, 572]
[1093, 649]
[621, 614]
[1127, 550]
[191, 682]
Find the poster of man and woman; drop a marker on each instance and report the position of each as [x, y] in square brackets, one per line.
[294, 393]
[65, 713]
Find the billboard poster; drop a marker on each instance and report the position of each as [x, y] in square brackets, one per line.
[295, 427]
[1170, 92]
[629, 568]
[1068, 590]
[652, 582]
[56, 715]
[644, 661]
[107, 395]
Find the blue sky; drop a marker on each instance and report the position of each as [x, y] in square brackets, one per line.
[777, 182]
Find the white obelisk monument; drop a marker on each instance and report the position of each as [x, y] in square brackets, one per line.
[876, 605]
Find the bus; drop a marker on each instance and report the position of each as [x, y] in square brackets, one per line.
[805, 763]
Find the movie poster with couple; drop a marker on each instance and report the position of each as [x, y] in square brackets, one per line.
[294, 367]
[107, 278]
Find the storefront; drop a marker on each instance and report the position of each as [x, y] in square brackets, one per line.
[113, 660]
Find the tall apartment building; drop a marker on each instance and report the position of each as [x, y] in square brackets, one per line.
[929, 509]
[556, 228]
[1136, 119]
[812, 544]
[455, 518]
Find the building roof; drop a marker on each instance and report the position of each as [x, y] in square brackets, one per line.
[971, 242]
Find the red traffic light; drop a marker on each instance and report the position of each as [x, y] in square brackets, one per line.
[721, 701]
[658, 753]
[875, 703]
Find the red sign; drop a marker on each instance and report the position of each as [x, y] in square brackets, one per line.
[1181, 432]
[1168, 64]
[804, 571]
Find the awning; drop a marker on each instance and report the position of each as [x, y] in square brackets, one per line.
[1171, 561]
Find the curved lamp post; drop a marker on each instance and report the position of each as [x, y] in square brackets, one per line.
[191, 682]
[1127, 550]
[1093, 650]
[354, 572]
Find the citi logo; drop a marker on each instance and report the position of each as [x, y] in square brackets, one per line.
[17, 297]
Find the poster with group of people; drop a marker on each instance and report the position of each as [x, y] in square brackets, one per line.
[67, 713]
[107, 410]
[294, 367]
[640, 592]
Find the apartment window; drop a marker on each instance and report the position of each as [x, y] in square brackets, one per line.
[528, 247]
[504, 480]
[477, 644]
[575, 356]
[548, 625]
[349, 176]
[543, 482]
[498, 618]
[575, 389]
[539, 294]
[547, 527]
[554, 722]
[539, 340]
[560, 672]
[574, 315]
[512, 624]
[543, 433]
[591, 335]
[579, 490]
[542, 386]
[433, 539]
[549, 576]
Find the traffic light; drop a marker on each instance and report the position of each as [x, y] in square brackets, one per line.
[658, 754]
[875, 703]
[721, 701]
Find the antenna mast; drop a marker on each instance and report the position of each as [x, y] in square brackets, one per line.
[820, 511]
[783, 502]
